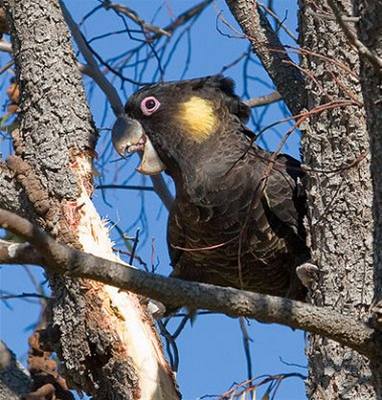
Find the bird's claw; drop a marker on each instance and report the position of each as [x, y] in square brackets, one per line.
[308, 274]
[156, 309]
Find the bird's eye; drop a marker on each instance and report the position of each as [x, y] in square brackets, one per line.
[149, 105]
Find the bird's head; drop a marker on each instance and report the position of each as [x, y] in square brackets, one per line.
[173, 120]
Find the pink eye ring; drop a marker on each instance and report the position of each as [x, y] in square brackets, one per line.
[149, 105]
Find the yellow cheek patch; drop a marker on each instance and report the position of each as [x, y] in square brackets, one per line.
[197, 118]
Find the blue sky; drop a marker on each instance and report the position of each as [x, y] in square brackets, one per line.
[211, 350]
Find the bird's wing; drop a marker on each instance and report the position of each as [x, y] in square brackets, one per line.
[283, 193]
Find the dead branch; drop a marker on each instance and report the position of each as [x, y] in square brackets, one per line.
[133, 15]
[288, 79]
[263, 100]
[184, 17]
[174, 292]
[5, 46]
[107, 88]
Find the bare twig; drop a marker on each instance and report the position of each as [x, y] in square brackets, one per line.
[126, 187]
[264, 100]
[279, 22]
[247, 349]
[174, 292]
[133, 15]
[5, 46]
[183, 18]
[23, 296]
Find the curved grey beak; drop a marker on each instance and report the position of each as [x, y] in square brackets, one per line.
[128, 136]
[126, 132]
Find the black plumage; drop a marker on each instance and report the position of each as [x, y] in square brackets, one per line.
[238, 213]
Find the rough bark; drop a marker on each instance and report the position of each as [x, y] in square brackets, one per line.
[106, 341]
[12, 197]
[340, 221]
[14, 379]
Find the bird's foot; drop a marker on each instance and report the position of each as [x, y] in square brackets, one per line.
[308, 274]
[156, 309]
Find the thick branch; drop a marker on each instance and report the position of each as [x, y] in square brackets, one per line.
[266, 44]
[175, 292]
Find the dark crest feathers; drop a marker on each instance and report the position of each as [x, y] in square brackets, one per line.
[227, 87]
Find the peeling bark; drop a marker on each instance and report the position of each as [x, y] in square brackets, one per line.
[107, 343]
[340, 220]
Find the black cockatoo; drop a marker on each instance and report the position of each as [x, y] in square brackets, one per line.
[237, 219]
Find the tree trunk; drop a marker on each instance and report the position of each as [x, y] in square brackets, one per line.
[106, 341]
[335, 146]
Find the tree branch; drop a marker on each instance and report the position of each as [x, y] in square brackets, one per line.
[5, 46]
[266, 44]
[263, 100]
[108, 89]
[174, 292]
[133, 15]
[19, 253]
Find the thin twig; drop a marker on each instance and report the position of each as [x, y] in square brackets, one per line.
[133, 15]
[263, 100]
